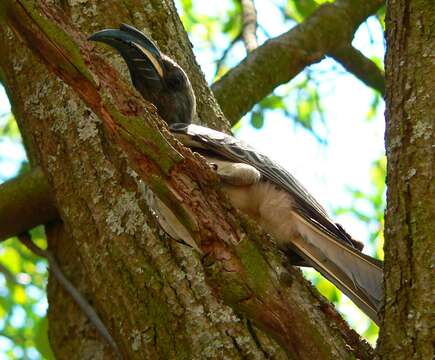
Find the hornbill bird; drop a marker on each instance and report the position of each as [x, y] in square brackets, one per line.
[254, 184]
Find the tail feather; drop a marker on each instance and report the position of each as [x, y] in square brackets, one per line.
[356, 274]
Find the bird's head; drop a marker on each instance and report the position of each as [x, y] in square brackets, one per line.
[158, 78]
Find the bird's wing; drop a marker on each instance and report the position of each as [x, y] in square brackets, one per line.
[322, 243]
[230, 148]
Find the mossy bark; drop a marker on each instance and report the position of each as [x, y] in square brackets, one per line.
[407, 331]
[26, 202]
[158, 298]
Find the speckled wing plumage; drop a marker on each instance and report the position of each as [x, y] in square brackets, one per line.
[322, 243]
[283, 206]
[230, 148]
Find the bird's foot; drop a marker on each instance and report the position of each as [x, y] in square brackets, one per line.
[238, 174]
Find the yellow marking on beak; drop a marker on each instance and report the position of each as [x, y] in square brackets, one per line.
[152, 58]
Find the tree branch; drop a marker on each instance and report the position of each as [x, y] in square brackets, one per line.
[363, 68]
[221, 60]
[29, 195]
[25, 202]
[249, 25]
[236, 266]
[280, 59]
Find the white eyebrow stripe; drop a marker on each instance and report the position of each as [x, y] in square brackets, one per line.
[152, 58]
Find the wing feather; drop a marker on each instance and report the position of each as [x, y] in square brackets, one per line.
[233, 149]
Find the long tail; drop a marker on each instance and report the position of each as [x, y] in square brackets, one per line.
[359, 276]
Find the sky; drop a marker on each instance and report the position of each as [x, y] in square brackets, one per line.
[327, 171]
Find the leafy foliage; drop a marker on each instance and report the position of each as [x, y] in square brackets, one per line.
[302, 96]
[9, 127]
[299, 10]
[23, 277]
[215, 29]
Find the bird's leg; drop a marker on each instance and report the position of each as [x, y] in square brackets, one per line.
[238, 174]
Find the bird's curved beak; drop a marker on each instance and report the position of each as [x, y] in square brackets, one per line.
[132, 45]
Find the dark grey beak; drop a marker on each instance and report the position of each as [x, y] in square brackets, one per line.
[158, 79]
[134, 47]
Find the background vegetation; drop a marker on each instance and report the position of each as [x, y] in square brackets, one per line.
[215, 28]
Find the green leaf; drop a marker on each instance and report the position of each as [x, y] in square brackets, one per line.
[272, 102]
[304, 110]
[24, 296]
[373, 215]
[305, 7]
[9, 127]
[10, 258]
[328, 290]
[380, 15]
[19, 295]
[41, 339]
[257, 119]
[298, 10]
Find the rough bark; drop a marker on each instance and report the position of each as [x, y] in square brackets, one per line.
[25, 202]
[159, 299]
[407, 331]
[306, 40]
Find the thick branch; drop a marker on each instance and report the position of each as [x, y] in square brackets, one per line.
[280, 59]
[350, 58]
[25, 202]
[408, 323]
[237, 269]
[363, 68]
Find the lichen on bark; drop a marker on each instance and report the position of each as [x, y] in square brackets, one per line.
[159, 298]
[407, 331]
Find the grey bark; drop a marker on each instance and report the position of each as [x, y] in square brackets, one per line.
[407, 331]
[159, 299]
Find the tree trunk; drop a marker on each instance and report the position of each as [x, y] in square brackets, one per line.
[407, 331]
[158, 298]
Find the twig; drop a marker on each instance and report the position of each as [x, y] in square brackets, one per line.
[26, 202]
[363, 68]
[10, 277]
[249, 25]
[282, 58]
[225, 53]
[87, 309]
